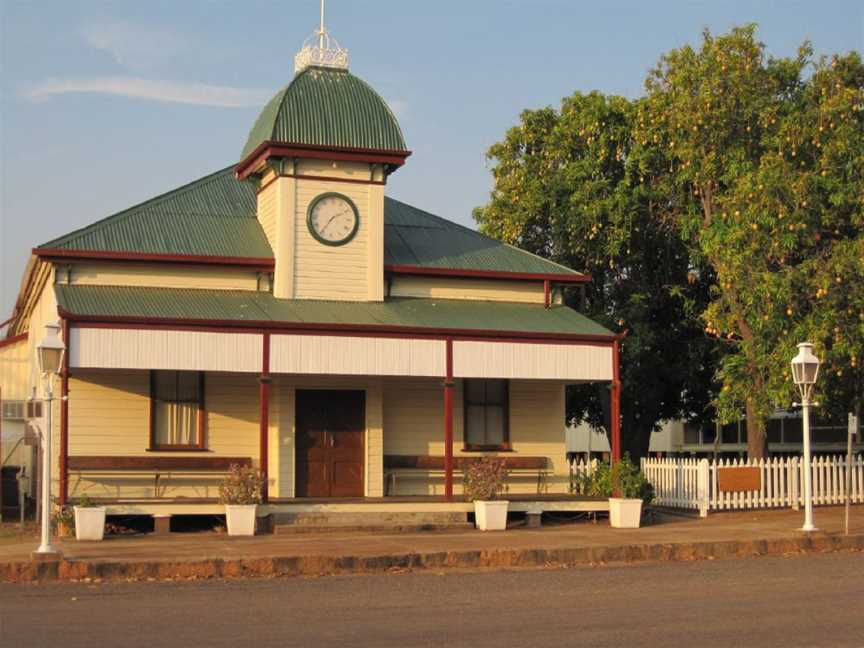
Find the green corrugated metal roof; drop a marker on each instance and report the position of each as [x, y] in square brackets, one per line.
[327, 107]
[415, 237]
[215, 216]
[239, 306]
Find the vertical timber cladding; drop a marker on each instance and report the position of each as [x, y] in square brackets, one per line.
[120, 348]
[528, 360]
[356, 356]
[353, 271]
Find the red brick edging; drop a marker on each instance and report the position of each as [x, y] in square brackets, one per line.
[76, 570]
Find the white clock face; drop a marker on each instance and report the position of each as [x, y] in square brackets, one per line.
[333, 219]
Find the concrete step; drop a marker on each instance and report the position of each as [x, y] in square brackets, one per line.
[287, 529]
[371, 521]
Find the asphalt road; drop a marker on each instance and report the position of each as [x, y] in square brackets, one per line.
[815, 600]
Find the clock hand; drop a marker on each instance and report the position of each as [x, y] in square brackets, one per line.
[332, 218]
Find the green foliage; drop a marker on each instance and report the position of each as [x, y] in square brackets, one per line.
[623, 477]
[484, 480]
[722, 219]
[85, 502]
[565, 189]
[761, 160]
[242, 485]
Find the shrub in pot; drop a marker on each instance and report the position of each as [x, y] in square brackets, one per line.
[240, 492]
[89, 520]
[63, 520]
[484, 482]
[628, 490]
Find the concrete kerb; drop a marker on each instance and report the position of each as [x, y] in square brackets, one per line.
[323, 565]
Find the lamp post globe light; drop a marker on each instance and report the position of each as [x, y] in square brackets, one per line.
[805, 371]
[49, 357]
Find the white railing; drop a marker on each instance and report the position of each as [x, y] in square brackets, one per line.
[694, 483]
[679, 483]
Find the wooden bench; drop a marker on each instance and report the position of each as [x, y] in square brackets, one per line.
[157, 466]
[433, 466]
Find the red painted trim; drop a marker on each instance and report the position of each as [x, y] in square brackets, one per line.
[322, 178]
[346, 330]
[202, 411]
[257, 263]
[15, 339]
[448, 423]
[270, 149]
[64, 418]
[28, 285]
[547, 293]
[412, 270]
[1, 443]
[615, 423]
[264, 417]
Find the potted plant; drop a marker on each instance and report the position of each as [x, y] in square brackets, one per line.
[240, 492]
[89, 520]
[484, 482]
[628, 489]
[64, 521]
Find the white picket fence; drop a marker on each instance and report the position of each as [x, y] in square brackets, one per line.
[693, 483]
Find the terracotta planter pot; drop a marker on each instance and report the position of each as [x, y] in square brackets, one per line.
[64, 530]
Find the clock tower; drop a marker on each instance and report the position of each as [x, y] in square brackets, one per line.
[320, 153]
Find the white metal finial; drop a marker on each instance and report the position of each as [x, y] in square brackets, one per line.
[325, 53]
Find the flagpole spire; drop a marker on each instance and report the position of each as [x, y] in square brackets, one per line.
[321, 30]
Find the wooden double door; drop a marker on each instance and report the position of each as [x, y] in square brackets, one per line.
[329, 437]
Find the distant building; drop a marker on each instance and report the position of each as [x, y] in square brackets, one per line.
[680, 438]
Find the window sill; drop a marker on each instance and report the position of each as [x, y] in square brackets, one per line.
[486, 449]
[177, 449]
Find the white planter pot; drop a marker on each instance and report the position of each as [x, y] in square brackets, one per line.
[241, 519]
[89, 523]
[491, 516]
[625, 513]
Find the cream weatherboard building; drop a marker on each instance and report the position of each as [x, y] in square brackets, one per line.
[285, 313]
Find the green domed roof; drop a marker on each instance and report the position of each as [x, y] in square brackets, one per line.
[327, 107]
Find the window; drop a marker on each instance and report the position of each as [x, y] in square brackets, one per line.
[176, 410]
[486, 415]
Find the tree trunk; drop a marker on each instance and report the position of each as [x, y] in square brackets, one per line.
[635, 442]
[757, 442]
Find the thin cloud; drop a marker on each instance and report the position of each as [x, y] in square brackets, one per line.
[198, 94]
[137, 47]
[398, 106]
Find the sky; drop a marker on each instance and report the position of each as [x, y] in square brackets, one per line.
[106, 104]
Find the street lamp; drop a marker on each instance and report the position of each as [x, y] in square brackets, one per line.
[49, 356]
[805, 370]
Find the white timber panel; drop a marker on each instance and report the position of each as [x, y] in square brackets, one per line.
[357, 356]
[106, 348]
[531, 361]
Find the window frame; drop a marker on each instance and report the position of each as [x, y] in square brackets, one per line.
[504, 446]
[201, 445]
